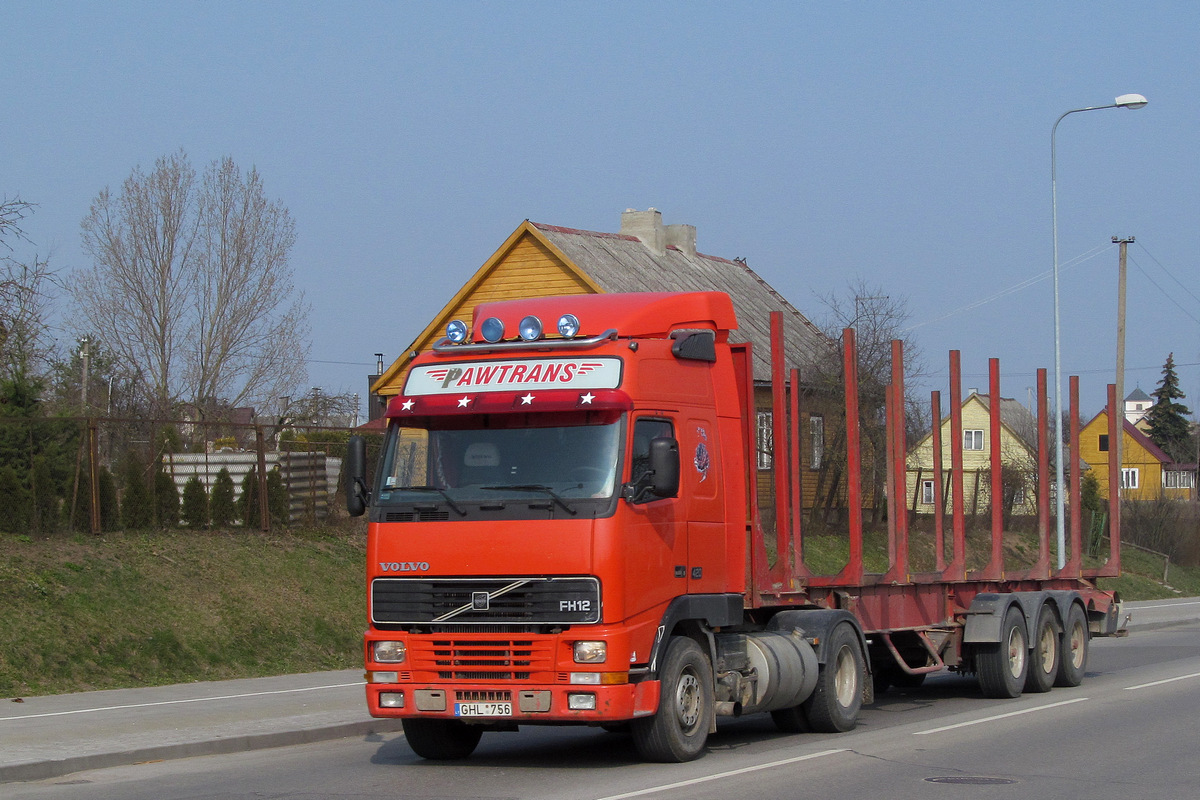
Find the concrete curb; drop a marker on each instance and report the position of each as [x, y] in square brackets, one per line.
[53, 768]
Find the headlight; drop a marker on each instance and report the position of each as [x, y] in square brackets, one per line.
[389, 652]
[492, 329]
[530, 328]
[590, 652]
[568, 326]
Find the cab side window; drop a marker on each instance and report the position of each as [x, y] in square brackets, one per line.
[644, 430]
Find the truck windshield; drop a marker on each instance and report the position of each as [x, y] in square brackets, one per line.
[486, 463]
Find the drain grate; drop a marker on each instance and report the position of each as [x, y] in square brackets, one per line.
[970, 780]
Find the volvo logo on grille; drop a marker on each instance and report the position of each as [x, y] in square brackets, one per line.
[480, 601]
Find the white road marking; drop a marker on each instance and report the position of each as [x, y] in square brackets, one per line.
[1165, 605]
[174, 702]
[1000, 716]
[721, 775]
[1160, 683]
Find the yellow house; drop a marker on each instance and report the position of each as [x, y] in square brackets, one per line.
[1147, 473]
[1018, 450]
[539, 260]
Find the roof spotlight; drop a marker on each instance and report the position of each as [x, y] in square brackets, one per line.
[530, 328]
[568, 326]
[492, 330]
[456, 331]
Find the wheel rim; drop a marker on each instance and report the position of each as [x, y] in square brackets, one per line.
[845, 678]
[687, 701]
[1016, 652]
[1078, 642]
[1047, 642]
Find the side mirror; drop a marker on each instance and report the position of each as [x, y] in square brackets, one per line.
[357, 495]
[664, 466]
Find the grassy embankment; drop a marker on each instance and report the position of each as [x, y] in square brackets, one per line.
[155, 608]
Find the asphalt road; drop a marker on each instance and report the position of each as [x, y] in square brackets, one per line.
[1128, 732]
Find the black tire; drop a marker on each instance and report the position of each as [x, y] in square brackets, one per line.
[1045, 654]
[1073, 654]
[679, 730]
[791, 720]
[441, 739]
[834, 705]
[1002, 666]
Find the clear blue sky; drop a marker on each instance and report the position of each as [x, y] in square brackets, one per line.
[906, 144]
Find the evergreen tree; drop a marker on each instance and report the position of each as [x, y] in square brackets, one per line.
[195, 503]
[1169, 428]
[137, 510]
[277, 498]
[221, 507]
[110, 515]
[45, 499]
[15, 502]
[248, 508]
[166, 501]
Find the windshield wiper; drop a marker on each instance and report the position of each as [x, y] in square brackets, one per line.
[534, 487]
[442, 492]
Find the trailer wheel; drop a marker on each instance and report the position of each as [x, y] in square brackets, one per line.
[1043, 667]
[679, 730]
[441, 739]
[833, 706]
[1072, 662]
[1002, 666]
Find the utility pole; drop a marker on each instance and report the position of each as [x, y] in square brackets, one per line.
[1115, 447]
[84, 354]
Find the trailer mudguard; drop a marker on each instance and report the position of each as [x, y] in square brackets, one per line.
[987, 612]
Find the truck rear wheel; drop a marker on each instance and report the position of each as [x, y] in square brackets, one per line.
[1002, 666]
[1072, 662]
[834, 705]
[441, 739]
[1043, 668]
[679, 730]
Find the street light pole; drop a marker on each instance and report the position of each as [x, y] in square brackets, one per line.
[1130, 101]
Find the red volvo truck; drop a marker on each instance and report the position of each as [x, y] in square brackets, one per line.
[564, 530]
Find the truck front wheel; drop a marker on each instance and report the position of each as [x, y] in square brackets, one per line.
[834, 705]
[441, 739]
[679, 730]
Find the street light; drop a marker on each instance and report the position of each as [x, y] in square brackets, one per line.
[1131, 101]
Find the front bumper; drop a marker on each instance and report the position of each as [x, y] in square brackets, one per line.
[556, 703]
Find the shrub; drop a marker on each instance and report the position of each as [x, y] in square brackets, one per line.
[166, 500]
[195, 503]
[137, 510]
[277, 498]
[221, 508]
[248, 508]
[15, 502]
[47, 515]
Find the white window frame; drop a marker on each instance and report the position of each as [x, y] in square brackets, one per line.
[1178, 479]
[765, 440]
[927, 495]
[973, 439]
[1129, 477]
[816, 433]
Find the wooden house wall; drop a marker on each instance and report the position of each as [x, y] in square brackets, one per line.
[1133, 455]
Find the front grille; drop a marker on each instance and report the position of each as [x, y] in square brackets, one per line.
[466, 659]
[471, 601]
[416, 516]
[473, 696]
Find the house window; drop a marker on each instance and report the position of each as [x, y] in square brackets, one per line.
[927, 495]
[1104, 443]
[766, 446]
[972, 440]
[1177, 479]
[816, 433]
[1129, 478]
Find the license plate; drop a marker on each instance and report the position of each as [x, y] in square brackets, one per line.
[483, 709]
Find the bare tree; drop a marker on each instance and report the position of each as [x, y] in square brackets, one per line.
[27, 291]
[191, 280]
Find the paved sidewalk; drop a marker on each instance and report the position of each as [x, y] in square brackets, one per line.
[44, 737]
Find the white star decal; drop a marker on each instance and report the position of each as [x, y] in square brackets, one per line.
[464, 401]
[527, 400]
[407, 405]
[587, 399]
